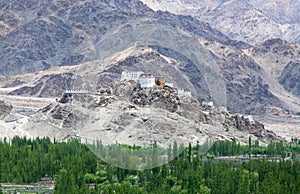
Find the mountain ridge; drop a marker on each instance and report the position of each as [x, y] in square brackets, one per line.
[58, 40]
[265, 18]
[69, 33]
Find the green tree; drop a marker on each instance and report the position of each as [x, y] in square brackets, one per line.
[190, 153]
[61, 182]
[175, 149]
[250, 146]
[204, 190]
[65, 183]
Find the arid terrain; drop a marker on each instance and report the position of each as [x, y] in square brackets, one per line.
[248, 63]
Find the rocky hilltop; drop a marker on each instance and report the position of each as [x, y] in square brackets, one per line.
[127, 114]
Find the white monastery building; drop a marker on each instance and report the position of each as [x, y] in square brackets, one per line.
[146, 80]
[134, 75]
[182, 92]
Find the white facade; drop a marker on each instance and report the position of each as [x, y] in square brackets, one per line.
[76, 92]
[182, 92]
[223, 109]
[169, 84]
[146, 80]
[188, 94]
[250, 118]
[210, 103]
[128, 76]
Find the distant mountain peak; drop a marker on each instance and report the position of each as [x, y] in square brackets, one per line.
[252, 21]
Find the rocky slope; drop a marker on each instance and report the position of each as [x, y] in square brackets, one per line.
[4, 109]
[274, 54]
[63, 33]
[98, 40]
[246, 88]
[290, 78]
[253, 21]
[123, 113]
[265, 64]
[132, 116]
[279, 11]
[52, 85]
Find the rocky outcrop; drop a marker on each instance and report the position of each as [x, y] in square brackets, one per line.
[157, 110]
[252, 127]
[165, 98]
[290, 78]
[124, 89]
[4, 110]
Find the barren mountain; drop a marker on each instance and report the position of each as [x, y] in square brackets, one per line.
[48, 47]
[290, 78]
[219, 80]
[274, 54]
[252, 21]
[260, 68]
[63, 33]
[284, 12]
[279, 60]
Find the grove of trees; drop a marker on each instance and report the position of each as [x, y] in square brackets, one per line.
[77, 170]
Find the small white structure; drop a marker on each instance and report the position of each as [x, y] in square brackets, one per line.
[223, 109]
[169, 84]
[128, 76]
[76, 92]
[250, 118]
[188, 94]
[183, 93]
[208, 103]
[146, 80]
[180, 92]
